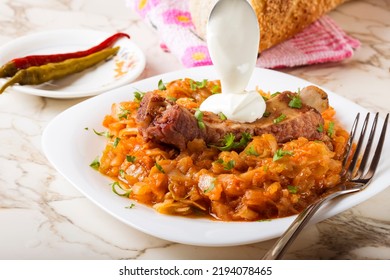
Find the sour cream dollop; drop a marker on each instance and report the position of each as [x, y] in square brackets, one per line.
[239, 107]
[233, 38]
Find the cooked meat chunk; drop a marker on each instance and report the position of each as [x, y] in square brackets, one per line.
[163, 121]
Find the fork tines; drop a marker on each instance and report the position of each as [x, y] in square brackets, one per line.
[361, 152]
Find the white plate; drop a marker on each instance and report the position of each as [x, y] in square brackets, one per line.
[122, 69]
[71, 148]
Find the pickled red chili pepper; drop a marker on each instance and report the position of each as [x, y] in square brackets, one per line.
[10, 68]
[35, 75]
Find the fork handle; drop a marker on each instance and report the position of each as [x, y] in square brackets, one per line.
[283, 243]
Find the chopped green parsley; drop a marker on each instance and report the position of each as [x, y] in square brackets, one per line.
[252, 151]
[229, 143]
[280, 154]
[292, 189]
[159, 167]
[116, 142]
[330, 130]
[198, 85]
[222, 116]
[161, 85]
[211, 186]
[216, 89]
[130, 158]
[295, 102]
[266, 114]
[138, 95]
[171, 98]
[199, 118]
[282, 117]
[226, 165]
[123, 113]
[95, 164]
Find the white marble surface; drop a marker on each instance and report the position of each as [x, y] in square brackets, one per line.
[42, 216]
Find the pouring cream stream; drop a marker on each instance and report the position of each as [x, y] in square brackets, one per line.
[233, 39]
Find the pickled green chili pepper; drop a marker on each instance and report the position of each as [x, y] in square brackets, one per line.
[36, 75]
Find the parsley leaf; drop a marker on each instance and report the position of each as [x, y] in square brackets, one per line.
[266, 114]
[161, 85]
[228, 140]
[292, 189]
[130, 158]
[216, 89]
[295, 102]
[320, 127]
[226, 165]
[123, 114]
[229, 165]
[138, 95]
[211, 186]
[159, 167]
[245, 138]
[171, 98]
[229, 143]
[199, 118]
[222, 116]
[280, 118]
[251, 151]
[281, 153]
[95, 164]
[198, 85]
[116, 142]
[330, 130]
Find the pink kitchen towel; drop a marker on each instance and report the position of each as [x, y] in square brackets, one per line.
[322, 41]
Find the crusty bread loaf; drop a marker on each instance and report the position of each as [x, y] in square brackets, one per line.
[278, 19]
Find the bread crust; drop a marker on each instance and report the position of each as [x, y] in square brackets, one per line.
[279, 20]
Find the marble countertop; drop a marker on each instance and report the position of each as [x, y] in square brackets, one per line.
[44, 217]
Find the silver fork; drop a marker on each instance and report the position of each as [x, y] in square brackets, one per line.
[352, 181]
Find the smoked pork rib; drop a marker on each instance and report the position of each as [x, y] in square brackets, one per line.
[164, 121]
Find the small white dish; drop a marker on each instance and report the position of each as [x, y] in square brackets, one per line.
[70, 147]
[122, 69]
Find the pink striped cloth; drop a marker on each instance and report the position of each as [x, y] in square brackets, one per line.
[323, 41]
